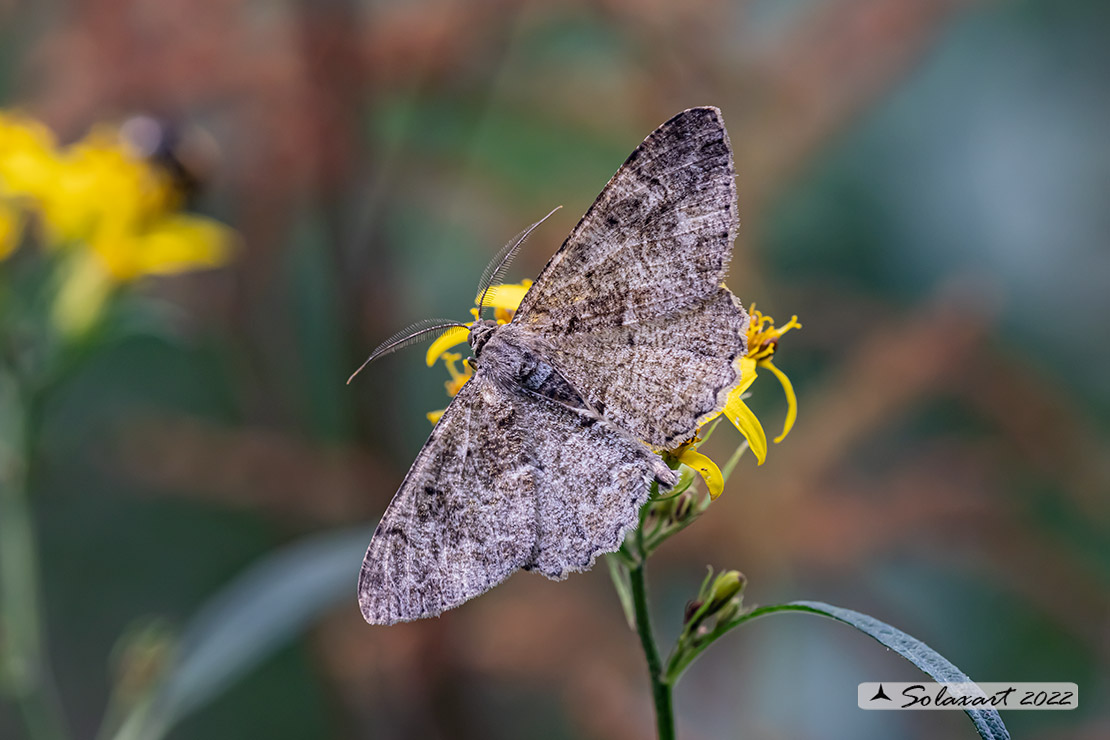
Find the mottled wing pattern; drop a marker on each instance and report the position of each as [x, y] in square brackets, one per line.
[593, 479]
[462, 521]
[507, 480]
[660, 381]
[657, 239]
[633, 304]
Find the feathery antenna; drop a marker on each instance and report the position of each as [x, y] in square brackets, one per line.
[433, 328]
[497, 267]
[421, 330]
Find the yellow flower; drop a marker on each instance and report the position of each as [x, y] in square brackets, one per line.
[454, 336]
[101, 188]
[763, 339]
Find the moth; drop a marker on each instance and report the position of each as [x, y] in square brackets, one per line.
[627, 341]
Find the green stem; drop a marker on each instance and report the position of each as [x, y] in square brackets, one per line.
[726, 471]
[24, 667]
[660, 687]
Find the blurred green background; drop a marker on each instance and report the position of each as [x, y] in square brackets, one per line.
[924, 182]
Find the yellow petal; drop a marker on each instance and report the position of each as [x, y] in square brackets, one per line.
[434, 416]
[747, 376]
[708, 469]
[445, 341]
[791, 399]
[506, 296]
[181, 243]
[743, 419]
[792, 324]
[28, 161]
[172, 244]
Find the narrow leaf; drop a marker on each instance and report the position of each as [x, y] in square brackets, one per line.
[259, 612]
[623, 589]
[987, 721]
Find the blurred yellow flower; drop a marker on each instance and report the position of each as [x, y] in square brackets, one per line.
[26, 163]
[100, 195]
[170, 244]
[113, 216]
[11, 227]
[27, 157]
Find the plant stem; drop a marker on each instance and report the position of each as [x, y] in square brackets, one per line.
[660, 688]
[24, 666]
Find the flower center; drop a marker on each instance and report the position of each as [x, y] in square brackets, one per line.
[763, 336]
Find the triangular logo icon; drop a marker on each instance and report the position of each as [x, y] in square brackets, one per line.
[880, 694]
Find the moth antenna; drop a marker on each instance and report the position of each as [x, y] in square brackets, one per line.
[421, 330]
[497, 267]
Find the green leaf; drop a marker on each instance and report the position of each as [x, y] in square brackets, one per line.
[268, 605]
[619, 575]
[987, 721]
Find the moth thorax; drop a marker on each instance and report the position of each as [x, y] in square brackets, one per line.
[480, 334]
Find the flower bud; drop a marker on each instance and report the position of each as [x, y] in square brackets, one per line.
[683, 505]
[718, 600]
[692, 609]
[726, 587]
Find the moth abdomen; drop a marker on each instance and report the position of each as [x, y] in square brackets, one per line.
[547, 382]
[524, 367]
